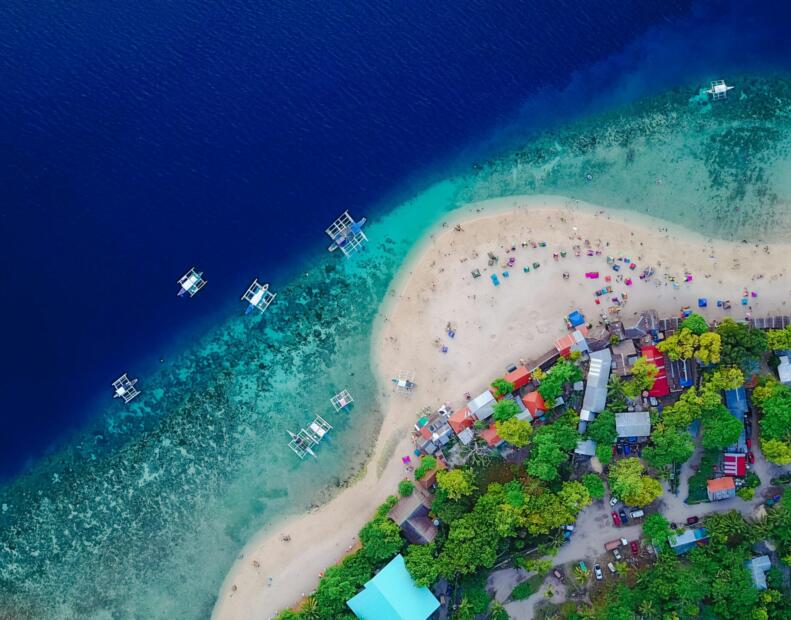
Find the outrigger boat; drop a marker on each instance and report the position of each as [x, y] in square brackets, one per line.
[346, 234]
[258, 296]
[302, 442]
[124, 388]
[191, 282]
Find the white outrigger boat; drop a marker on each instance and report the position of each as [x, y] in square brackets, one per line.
[342, 400]
[191, 282]
[258, 296]
[302, 442]
[719, 90]
[125, 388]
[346, 234]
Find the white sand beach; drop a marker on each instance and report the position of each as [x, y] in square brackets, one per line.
[496, 326]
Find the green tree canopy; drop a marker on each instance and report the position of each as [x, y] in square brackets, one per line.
[381, 539]
[742, 344]
[602, 429]
[560, 374]
[709, 349]
[668, 445]
[457, 483]
[405, 488]
[505, 410]
[656, 529]
[776, 451]
[515, 432]
[595, 486]
[630, 485]
[695, 323]
[422, 564]
[779, 339]
[726, 378]
[680, 346]
[720, 428]
[643, 376]
[502, 387]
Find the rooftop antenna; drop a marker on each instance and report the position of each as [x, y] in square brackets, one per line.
[719, 90]
[191, 282]
[258, 296]
[125, 388]
[341, 400]
[346, 234]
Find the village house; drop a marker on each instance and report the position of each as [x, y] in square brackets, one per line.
[661, 387]
[393, 595]
[624, 355]
[596, 389]
[689, 539]
[736, 402]
[482, 406]
[720, 488]
[574, 341]
[758, 567]
[490, 436]
[633, 424]
[534, 404]
[519, 377]
[734, 464]
[434, 431]
[429, 480]
[411, 515]
[784, 370]
[461, 419]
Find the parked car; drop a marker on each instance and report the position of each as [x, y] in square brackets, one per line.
[673, 526]
[569, 528]
[583, 567]
[748, 431]
[614, 450]
[750, 457]
[635, 548]
[637, 514]
[692, 520]
[613, 500]
[626, 450]
[640, 450]
[597, 571]
[616, 520]
[611, 567]
[619, 448]
[558, 575]
[624, 518]
[749, 444]
[617, 554]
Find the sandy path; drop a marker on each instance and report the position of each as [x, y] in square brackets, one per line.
[495, 326]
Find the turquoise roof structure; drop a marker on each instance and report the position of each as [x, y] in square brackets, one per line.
[393, 595]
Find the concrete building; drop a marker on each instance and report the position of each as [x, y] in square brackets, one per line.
[758, 568]
[596, 388]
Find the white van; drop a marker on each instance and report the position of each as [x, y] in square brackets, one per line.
[611, 567]
[637, 514]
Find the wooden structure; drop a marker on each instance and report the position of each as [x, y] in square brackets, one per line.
[258, 296]
[346, 234]
[125, 388]
[191, 282]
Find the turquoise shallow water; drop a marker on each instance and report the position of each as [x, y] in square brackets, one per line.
[142, 514]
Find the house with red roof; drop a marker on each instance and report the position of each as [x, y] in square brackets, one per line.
[656, 357]
[535, 404]
[461, 419]
[490, 436]
[519, 377]
[734, 464]
[574, 341]
[720, 488]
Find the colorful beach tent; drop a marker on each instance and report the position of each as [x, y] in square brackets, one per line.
[393, 595]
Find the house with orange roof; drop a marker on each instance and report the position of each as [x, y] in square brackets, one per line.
[519, 377]
[720, 488]
[461, 419]
[574, 341]
[490, 436]
[535, 404]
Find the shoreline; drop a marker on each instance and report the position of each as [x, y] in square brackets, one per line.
[411, 315]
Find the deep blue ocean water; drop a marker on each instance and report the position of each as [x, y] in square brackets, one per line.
[141, 138]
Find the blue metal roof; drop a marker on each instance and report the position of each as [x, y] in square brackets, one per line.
[393, 595]
[736, 401]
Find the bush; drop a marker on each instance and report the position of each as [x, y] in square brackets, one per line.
[405, 488]
[752, 481]
[746, 493]
[594, 484]
[522, 591]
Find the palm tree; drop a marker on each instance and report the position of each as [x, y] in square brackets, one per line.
[646, 609]
[310, 609]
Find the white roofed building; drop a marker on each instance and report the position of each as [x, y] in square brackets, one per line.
[633, 424]
[595, 397]
[482, 406]
[784, 370]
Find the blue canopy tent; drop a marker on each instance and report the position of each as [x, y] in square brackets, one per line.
[576, 319]
[393, 595]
